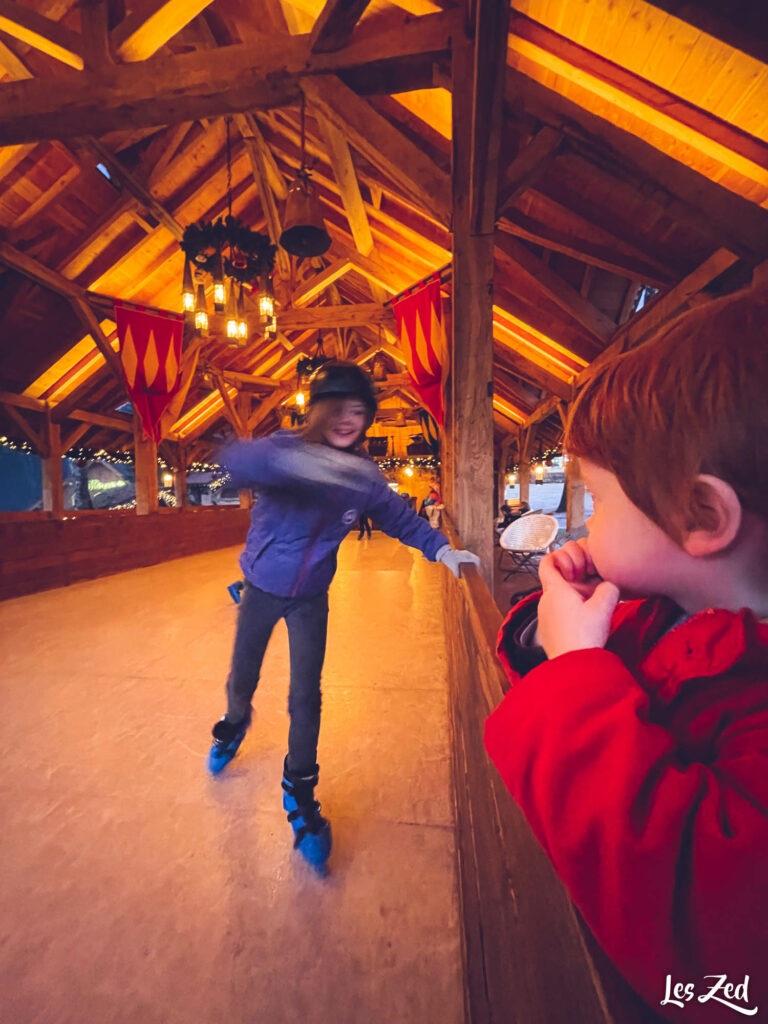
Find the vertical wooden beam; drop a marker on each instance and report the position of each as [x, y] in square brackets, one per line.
[53, 482]
[476, 133]
[489, 69]
[506, 444]
[145, 467]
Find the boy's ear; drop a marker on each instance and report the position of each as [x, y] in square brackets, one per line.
[714, 516]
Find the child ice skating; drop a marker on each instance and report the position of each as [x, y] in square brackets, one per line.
[635, 734]
[313, 485]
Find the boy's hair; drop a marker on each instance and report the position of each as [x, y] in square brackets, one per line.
[693, 400]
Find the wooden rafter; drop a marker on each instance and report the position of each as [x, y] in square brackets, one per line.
[229, 80]
[335, 23]
[709, 134]
[382, 144]
[661, 309]
[257, 154]
[685, 194]
[144, 31]
[313, 286]
[51, 37]
[527, 166]
[587, 251]
[563, 294]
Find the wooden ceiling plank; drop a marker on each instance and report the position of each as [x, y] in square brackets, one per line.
[335, 24]
[527, 166]
[161, 151]
[145, 30]
[188, 86]
[566, 297]
[12, 156]
[684, 193]
[529, 369]
[41, 33]
[579, 248]
[644, 323]
[382, 144]
[635, 86]
[46, 197]
[741, 26]
[82, 254]
[132, 184]
[664, 307]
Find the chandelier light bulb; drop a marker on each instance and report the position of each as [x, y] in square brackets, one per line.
[187, 290]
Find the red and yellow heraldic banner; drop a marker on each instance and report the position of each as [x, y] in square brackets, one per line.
[150, 351]
[419, 317]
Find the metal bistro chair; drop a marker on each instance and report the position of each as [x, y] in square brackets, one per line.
[526, 541]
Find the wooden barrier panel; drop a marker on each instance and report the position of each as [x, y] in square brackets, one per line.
[38, 552]
[528, 957]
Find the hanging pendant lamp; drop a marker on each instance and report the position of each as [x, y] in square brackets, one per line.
[304, 233]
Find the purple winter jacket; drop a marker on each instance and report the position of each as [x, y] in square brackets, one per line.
[308, 497]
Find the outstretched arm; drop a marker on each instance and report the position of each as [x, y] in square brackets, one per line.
[285, 460]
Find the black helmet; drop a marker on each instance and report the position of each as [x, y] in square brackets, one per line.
[338, 379]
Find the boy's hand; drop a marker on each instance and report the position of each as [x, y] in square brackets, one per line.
[576, 607]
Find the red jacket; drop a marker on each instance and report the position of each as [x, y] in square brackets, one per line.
[642, 768]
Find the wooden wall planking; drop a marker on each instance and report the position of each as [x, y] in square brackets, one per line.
[39, 552]
[528, 957]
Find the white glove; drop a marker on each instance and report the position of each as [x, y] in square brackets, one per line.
[454, 558]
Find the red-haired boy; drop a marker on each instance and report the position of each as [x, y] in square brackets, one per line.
[635, 734]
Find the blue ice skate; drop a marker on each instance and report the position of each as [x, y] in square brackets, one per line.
[312, 833]
[235, 590]
[227, 737]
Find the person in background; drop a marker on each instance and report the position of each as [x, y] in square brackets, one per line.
[364, 524]
[313, 485]
[635, 734]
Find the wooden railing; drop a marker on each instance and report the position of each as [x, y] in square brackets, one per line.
[38, 552]
[528, 957]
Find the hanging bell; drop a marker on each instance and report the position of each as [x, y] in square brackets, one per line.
[304, 233]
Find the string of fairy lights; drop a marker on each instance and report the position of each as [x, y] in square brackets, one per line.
[539, 464]
[79, 453]
[119, 458]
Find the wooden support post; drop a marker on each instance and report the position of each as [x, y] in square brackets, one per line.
[506, 444]
[180, 484]
[524, 475]
[145, 466]
[477, 115]
[53, 483]
[574, 496]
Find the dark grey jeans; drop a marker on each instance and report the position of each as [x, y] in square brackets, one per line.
[307, 621]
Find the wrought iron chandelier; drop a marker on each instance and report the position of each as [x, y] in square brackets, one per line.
[234, 256]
